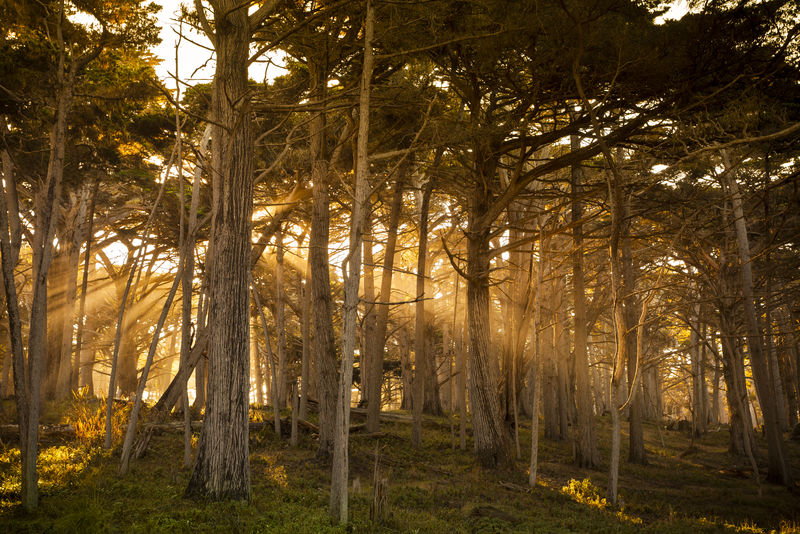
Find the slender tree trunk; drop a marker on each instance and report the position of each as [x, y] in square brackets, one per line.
[75, 218]
[632, 307]
[620, 323]
[351, 272]
[586, 453]
[779, 470]
[24, 390]
[11, 229]
[382, 311]
[280, 320]
[46, 204]
[369, 353]
[82, 355]
[324, 341]
[421, 359]
[305, 332]
[698, 379]
[404, 342]
[256, 362]
[137, 403]
[272, 364]
[536, 365]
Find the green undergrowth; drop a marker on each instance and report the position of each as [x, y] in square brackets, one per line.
[687, 487]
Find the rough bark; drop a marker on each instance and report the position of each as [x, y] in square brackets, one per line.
[492, 443]
[222, 468]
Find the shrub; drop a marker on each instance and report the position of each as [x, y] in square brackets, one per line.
[584, 492]
[87, 415]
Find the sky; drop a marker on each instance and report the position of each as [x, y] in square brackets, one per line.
[196, 64]
[195, 61]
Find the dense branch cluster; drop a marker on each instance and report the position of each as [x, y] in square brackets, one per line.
[553, 210]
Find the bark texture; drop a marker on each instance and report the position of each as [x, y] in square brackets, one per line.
[222, 468]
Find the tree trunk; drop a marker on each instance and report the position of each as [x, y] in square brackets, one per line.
[74, 220]
[382, 311]
[280, 320]
[368, 352]
[406, 373]
[222, 468]
[272, 390]
[351, 273]
[779, 470]
[305, 332]
[492, 443]
[536, 365]
[26, 393]
[421, 358]
[82, 355]
[137, 403]
[324, 342]
[699, 417]
[586, 453]
[632, 307]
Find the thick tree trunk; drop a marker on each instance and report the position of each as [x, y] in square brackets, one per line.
[492, 443]
[222, 467]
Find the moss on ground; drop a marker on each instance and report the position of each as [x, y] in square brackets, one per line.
[687, 487]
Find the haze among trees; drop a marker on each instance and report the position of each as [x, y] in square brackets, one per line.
[510, 226]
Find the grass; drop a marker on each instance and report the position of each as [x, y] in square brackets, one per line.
[435, 489]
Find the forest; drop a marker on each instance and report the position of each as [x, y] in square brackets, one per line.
[400, 266]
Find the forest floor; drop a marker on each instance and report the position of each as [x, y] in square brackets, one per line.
[686, 487]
